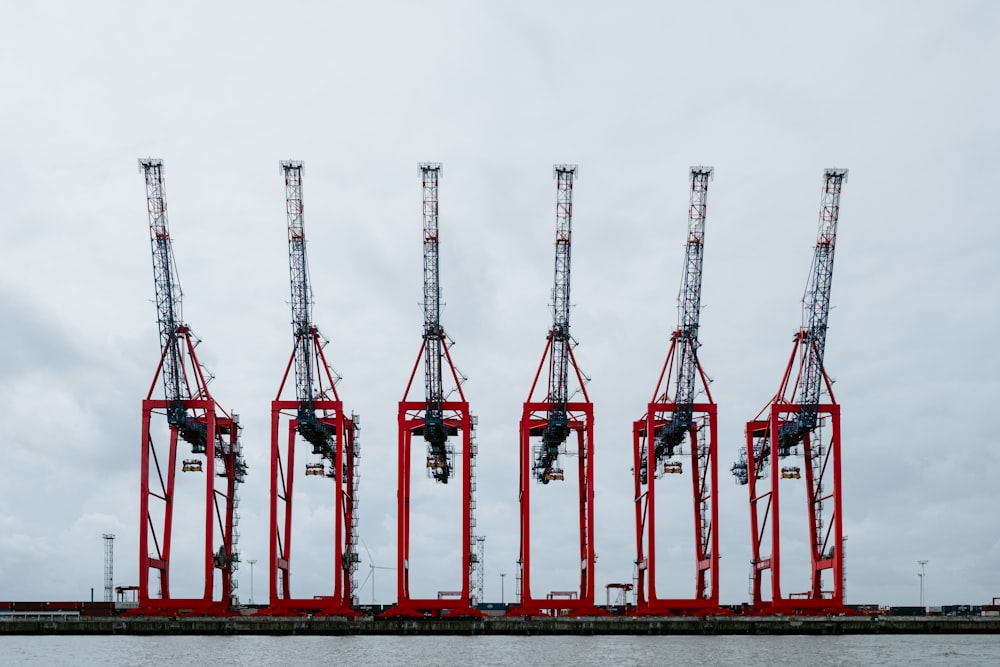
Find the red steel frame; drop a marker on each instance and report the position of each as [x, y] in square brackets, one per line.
[344, 558]
[223, 439]
[822, 468]
[459, 422]
[534, 419]
[704, 473]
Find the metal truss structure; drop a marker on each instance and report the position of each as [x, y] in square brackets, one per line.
[798, 417]
[316, 417]
[109, 567]
[440, 422]
[674, 419]
[192, 416]
[549, 425]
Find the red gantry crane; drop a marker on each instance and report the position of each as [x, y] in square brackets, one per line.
[316, 416]
[194, 417]
[672, 421]
[797, 418]
[440, 422]
[551, 424]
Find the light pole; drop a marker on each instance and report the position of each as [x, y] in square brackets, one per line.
[251, 561]
[502, 575]
[921, 563]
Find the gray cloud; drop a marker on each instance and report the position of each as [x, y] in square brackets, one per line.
[900, 94]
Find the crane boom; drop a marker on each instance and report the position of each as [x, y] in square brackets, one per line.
[689, 310]
[195, 417]
[300, 286]
[816, 313]
[435, 431]
[795, 417]
[557, 430]
[321, 435]
[168, 308]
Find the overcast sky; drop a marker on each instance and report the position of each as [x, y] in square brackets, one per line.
[904, 94]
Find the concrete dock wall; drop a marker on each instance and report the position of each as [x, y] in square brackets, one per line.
[709, 625]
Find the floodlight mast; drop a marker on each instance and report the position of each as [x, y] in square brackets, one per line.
[672, 418]
[797, 416]
[194, 416]
[317, 415]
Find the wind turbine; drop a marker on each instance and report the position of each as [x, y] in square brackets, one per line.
[371, 570]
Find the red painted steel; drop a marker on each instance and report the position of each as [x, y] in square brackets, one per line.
[822, 468]
[703, 462]
[339, 600]
[459, 421]
[580, 420]
[156, 530]
[797, 417]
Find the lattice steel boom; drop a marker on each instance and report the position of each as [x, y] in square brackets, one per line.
[673, 418]
[168, 308]
[556, 424]
[317, 415]
[447, 427]
[803, 414]
[192, 415]
[319, 434]
[435, 432]
[815, 314]
[557, 429]
[689, 311]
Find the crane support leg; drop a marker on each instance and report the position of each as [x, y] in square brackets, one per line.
[458, 422]
[338, 599]
[703, 472]
[823, 497]
[440, 423]
[581, 427]
[797, 423]
[157, 503]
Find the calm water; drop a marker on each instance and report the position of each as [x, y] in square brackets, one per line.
[910, 651]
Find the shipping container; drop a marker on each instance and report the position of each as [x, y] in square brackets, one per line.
[97, 609]
[907, 611]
